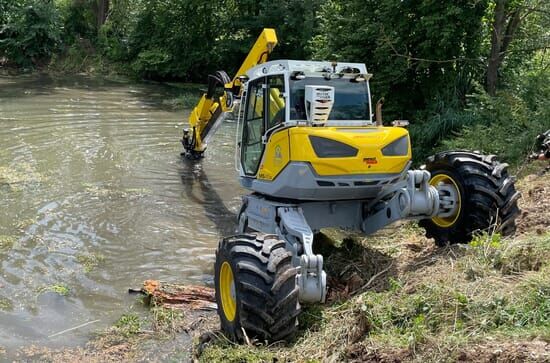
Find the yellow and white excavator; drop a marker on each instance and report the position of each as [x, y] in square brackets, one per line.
[313, 157]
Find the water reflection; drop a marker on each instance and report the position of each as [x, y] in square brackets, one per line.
[95, 198]
[194, 177]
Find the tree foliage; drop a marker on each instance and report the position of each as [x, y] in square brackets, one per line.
[30, 31]
[417, 49]
[173, 39]
[189, 39]
[512, 20]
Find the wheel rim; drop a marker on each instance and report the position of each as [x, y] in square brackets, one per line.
[448, 221]
[227, 292]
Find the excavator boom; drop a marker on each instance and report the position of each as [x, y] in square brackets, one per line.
[210, 111]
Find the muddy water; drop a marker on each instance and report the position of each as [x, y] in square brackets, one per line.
[94, 199]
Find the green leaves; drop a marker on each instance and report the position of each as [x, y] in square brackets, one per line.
[194, 38]
[416, 49]
[31, 32]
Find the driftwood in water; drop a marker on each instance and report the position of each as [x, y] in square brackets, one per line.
[188, 297]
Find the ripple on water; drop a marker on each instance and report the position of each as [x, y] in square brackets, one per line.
[91, 168]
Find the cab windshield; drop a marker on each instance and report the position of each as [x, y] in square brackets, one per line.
[351, 99]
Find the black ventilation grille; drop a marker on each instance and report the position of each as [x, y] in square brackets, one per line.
[324, 183]
[327, 148]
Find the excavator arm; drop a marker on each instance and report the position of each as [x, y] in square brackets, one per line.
[210, 112]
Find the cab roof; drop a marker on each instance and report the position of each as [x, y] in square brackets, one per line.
[307, 67]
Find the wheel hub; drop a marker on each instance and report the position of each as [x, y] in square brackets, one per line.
[449, 200]
[227, 292]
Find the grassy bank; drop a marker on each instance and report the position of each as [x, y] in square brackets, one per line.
[486, 301]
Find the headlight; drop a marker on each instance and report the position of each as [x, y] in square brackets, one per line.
[327, 148]
[399, 147]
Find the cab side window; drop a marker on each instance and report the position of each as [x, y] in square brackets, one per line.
[276, 101]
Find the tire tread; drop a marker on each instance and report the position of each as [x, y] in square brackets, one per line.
[267, 291]
[491, 197]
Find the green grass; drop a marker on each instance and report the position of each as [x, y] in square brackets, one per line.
[7, 242]
[232, 353]
[60, 289]
[22, 225]
[510, 257]
[21, 175]
[129, 324]
[493, 289]
[166, 320]
[90, 261]
[186, 101]
[5, 304]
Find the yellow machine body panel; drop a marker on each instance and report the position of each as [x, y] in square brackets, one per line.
[294, 144]
[276, 156]
[369, 142]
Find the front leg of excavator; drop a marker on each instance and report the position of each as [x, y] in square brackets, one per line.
[311, 278]
[288, 222]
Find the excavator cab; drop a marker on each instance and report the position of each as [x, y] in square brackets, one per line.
[264, 111]
[276, 101]
[306, 133]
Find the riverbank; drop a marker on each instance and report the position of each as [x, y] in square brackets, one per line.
[483, 302]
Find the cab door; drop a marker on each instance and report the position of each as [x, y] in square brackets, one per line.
[252, 146]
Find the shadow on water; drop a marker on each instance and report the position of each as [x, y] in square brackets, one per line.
[199, 190]
[154, 95]
[45, 84]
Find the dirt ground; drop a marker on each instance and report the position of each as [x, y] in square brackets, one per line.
[534, 204]
[490, 352]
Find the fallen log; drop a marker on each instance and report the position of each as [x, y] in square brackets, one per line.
[185, 297]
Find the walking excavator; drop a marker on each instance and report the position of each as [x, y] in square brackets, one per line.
[313, 156]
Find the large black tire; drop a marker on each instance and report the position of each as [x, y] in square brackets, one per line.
[264, 294]
[488, 196]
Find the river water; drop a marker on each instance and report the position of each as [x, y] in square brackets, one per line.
[95, 198]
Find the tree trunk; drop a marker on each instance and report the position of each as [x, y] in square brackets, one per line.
[102, 11]
[496, 42]
[505, 23]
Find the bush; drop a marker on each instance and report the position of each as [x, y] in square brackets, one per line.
[78, 20]
[505, 125]
[31, 32]
[436, 123]
[153, 63]
[112, 43]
